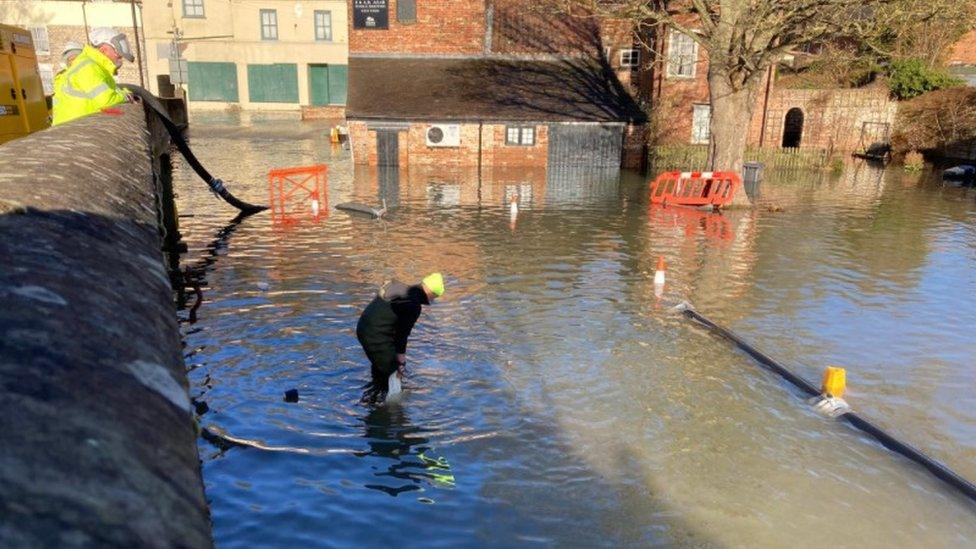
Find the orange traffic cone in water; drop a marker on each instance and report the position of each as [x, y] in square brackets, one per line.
[315, 204]
[659, 273]
[659, 278]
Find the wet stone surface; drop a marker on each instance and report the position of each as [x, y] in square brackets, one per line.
[96, 431]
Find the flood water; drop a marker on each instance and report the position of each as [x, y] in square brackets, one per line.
[552, 398]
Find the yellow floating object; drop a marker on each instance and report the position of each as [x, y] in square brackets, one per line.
[334, 135]
[834, 381]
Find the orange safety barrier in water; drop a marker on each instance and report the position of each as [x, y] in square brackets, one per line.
[714, 189]
[297, 191]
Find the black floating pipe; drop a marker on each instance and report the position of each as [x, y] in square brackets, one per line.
[939, 470]
[216, 185]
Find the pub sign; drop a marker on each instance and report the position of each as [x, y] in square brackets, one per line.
[370, 14]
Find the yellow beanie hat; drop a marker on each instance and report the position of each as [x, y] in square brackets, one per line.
[434, 283]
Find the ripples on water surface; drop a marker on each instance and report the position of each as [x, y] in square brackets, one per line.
[551, 398]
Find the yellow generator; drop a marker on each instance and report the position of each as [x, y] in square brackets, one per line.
[23, 107]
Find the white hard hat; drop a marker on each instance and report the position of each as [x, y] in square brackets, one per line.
[71, 45]
[112, 37]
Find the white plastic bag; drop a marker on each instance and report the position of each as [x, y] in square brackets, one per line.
[395, 388]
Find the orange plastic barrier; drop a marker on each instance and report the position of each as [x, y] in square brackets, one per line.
[297, 190]
[695, 188]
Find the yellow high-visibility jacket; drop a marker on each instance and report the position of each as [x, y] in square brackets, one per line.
[87, 87]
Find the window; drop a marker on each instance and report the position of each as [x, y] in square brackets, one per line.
[47, 77]
[323, 25]
[269, 24]
[41, 44]
[701, 124]
[193, 8]
[520, 135]
[407, 11]
[682, 55]
[629, 58]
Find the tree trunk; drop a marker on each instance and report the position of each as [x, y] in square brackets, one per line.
[730, 119]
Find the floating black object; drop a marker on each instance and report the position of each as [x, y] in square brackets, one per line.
[201, 407]
[291, 395]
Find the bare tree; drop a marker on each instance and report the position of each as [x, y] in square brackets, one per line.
[743, 38]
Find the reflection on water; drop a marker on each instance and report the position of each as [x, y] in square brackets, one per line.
[551, 398]
[391, 436]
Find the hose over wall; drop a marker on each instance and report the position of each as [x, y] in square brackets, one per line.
[97, 438]
[176, 136]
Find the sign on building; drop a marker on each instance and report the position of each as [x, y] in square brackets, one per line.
[370, 14]
[178, 71]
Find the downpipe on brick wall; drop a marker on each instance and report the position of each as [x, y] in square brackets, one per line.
[215, 184]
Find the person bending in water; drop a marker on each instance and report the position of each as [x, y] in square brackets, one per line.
[385, 325]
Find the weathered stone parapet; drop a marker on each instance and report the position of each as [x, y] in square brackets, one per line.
[97, 438]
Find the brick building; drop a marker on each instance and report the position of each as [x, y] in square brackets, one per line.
[831, 119]
[54, 23]
[488, 83]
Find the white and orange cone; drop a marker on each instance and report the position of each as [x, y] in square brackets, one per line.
[659, 277]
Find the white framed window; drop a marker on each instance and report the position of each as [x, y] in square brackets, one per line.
[46, 70]
[42, 46]
[323, 25]
[701, 119]
[682, 55]
[520, 135]
[193, 9]
[629, 58]
[269, 24]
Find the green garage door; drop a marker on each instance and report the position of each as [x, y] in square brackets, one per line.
[212, 81]
[273, 83]
[327, 84]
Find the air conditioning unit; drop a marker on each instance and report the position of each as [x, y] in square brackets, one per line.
[444, 135]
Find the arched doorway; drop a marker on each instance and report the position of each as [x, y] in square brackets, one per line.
[793, 128]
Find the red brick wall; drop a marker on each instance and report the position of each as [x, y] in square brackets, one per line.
[323, 112]
[497, 153]
[832, 119]
[415, 152]
[634, 147]
[675, 97]
[443, 27]
[964, 52]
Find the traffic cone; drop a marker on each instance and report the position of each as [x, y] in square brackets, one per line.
[659, 273]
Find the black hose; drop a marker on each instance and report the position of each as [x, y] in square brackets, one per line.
[939, 470]
[216, 185]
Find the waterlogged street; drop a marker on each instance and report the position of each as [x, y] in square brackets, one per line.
[552, 398]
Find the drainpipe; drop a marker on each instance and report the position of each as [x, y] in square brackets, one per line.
[480, 129]
[135, 31]
[765, 112]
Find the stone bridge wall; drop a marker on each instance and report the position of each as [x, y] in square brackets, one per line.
[97, 436]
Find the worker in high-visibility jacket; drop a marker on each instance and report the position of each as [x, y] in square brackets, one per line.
[89, 84]
[70, 52]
